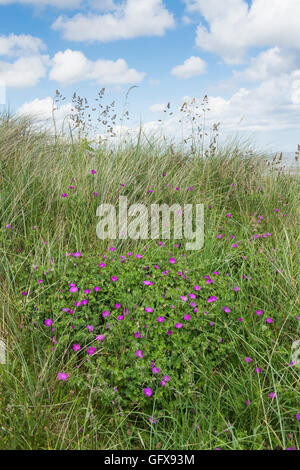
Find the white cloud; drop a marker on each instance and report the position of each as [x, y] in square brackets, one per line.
[102, 5]
[23, 44]
[268, 63]
[157, 108]
[131, 19]
[72, 66]
[41, 111]
[191, 68]
[69, 67]
[24, 72]
[234, 28]
[42, 3]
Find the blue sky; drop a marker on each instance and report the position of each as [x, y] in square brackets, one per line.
[244, 55]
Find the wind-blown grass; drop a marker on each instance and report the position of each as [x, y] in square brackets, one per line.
[231, 381]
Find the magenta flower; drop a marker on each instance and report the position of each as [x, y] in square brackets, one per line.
[212, 299]
[48, 322]
[227, 310]
[73, 289]
[114, 278]
[269, 320]
[62, 376]
[148, 309]
[153, 420]
[236, 289]
[102, 265]
[148, 392]
[228, 215]
[258, 312]
[172, 260]
[178, 325]
[96, 289]
[161, 319]
[76, 347]
[64, 195]
[105, 314]
[248, 359]
[91, 351]
[93, 172]
[272, 395]
[187, 318]
[197, 287]
[139, 353]
[165, 379]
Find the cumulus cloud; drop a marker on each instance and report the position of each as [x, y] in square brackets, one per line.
[234, 27]
[41, 111]
[24, 72]
[72, 66]
[42, 3]
[268, 63]
[190, 68]
[130, 19]
[23, 44]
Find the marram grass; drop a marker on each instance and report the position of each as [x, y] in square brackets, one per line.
[142, 344]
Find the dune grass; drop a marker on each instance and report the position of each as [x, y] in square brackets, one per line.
[226, 378]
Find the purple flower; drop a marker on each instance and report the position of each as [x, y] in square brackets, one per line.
[73, 289]
[100, 337]
[148, 392]
[91, 351]
[148, 309]
[212, 299]
[48, 322]
[62, 376]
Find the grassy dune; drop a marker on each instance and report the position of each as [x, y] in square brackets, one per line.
[123, 344]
